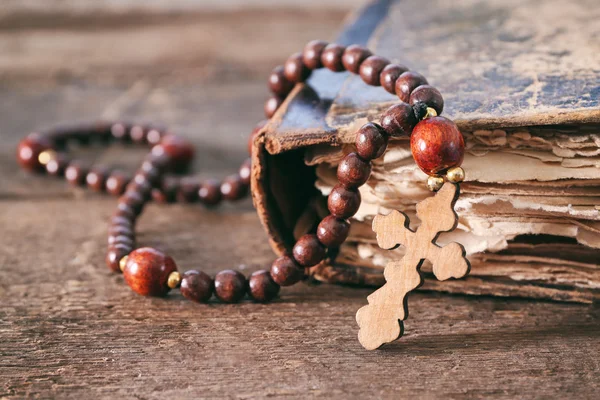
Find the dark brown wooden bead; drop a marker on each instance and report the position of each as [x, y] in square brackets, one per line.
[332, 231]
[137, 134]
[121, 239]
[75, 173]
[126, 211]
[331, 57]
[134, 200]
[399, 120]
[245, 171]
[295, 70]
[353, 171]
[120, 230]
[188, 190]
[343, 202]
[371, 141]
[116, 183]
[197, 286]
[121, 220]
[29, 149]
[96, 179]
[389, 75]
[120, 131]
[151, 172]
[407, 82]
[57, 166]
[286, 272]
[311, 55]
[114, 255]
[180, 151]
[210, 192]
[233, 188]
[437, 145]
[353, 57]
[271, 106]
[428, 95]
[167, 192]
[370, 70]
[147, 271]
[308, 251]
[261, 286]
[154, 136]
[278, 83]
[255, 133]
[230, 286]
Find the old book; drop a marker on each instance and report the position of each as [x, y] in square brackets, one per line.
[523, 91]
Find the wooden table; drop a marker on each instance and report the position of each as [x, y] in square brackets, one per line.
[71, 329]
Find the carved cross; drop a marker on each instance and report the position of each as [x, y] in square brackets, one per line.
[381, 320]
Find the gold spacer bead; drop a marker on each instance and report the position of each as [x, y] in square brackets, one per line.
[435, 183]
[46, 156]
[430, 113]
[455, 175]
[174, 280]
[123, 263]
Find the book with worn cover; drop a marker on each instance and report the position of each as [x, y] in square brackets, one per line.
[522, 81]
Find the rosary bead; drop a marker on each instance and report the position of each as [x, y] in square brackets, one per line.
[437, 145]
[389, 75]
[331, 57]
[210, 192]
[428, 95]
[233, 188]
[435, 183]
[255, 133]
[371, 141]
[126, 211]
[230, 286]
[278, 83]
[116, 183]
[134, 200]
[261, 286]
[57, 165]
[96, 179]
[120, 230]
[371, 69]
[29, 150]
[295, 70]
[147, 271]
[311, 56]
[332, 231]
[180, 151]
[196, 286]
[167, 192]
[399, 120]
[114, 254]
[286, 272]
[120, 239]
[188, 190]
[353, 171]
[246, 171]
[407, 82]
[343, 202]
[271, 105]
[353, 57]
[154, 136]
[308, 251]
[137, 134]
[119, 131]
[455, 175]
[150, 171]
[75, 173]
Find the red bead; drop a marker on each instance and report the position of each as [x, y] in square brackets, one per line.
[116, 183]
[57, 166]
[389, 75]
[332, 231]
[196, 286]
[230, 286]
[343, 202]
[295, 70]
[114, 255]
[437, 145]
[233, 188]
[278, 83]
[399, 120]
[371, 141]
[353, 171]
[407, 82]
[245, 171]
[308, 251]
[271, 106]
[311, 56]
[210, 192]
[371, 68]
[96, 179]
[428, 95]
[353, 56]
[286, 272]
[29, 150]
[75, 173]
[332, 57]
[147, 271]
[261, 286]
[188, 190]
[179, 150]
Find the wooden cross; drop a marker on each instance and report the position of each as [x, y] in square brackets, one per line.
[381, 320]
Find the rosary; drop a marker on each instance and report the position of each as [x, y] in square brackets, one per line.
[437, 147]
